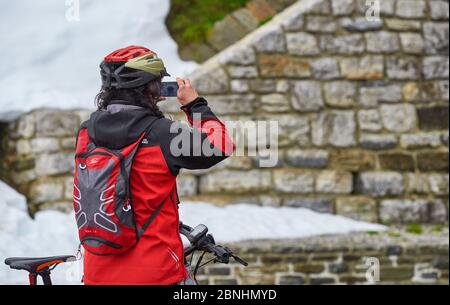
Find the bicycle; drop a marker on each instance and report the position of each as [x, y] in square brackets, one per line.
[198, 237]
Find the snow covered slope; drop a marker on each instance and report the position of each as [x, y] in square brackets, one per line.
[48, 61]
[54, 233]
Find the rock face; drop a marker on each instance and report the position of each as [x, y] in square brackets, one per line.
[361, 109]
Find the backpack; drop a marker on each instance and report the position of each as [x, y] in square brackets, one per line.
[102, 198]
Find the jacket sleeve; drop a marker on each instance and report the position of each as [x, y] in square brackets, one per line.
[200, 145]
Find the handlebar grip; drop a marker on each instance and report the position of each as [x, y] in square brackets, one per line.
[221, 252]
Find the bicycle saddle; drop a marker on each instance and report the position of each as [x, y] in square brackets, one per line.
[36, 264]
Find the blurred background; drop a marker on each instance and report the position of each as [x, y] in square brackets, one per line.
[359, 91]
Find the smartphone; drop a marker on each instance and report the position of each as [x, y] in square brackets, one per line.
[169, 89]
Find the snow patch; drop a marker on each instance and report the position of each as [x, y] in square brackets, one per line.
[50, 233]
[241, 222]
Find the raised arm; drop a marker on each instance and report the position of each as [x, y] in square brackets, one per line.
[199, 145]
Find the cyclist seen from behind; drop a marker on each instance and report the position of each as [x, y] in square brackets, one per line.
[128, 156]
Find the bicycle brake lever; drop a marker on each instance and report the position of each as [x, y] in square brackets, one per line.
[239, 260]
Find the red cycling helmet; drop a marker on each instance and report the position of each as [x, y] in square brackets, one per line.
[127, 53]
[131, 67]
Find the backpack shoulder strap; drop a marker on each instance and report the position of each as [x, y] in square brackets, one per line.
[83, 137]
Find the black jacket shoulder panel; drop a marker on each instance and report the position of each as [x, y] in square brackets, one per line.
[181, 145]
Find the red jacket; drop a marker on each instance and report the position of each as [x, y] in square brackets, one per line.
[158, 256]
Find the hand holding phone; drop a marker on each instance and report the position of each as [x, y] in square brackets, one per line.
[186, 93]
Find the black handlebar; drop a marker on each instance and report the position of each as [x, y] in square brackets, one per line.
[223, 254]
[208, 244]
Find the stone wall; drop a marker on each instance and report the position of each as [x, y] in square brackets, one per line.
[37, 156]
[403, 259]
[362, 108]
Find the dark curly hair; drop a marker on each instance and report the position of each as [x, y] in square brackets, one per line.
[146, 96]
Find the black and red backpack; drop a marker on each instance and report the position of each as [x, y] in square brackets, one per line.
[102, 196]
